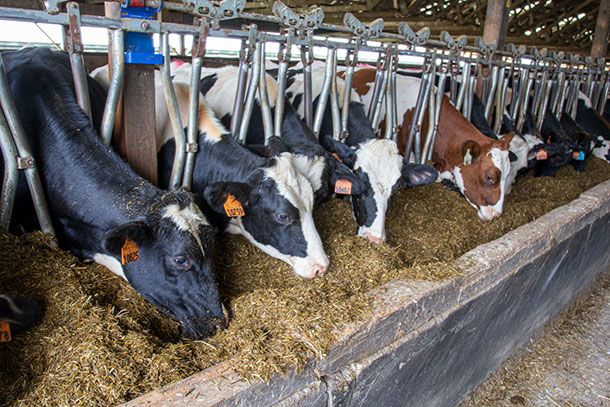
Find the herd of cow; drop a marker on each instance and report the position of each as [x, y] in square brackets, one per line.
[161, 241]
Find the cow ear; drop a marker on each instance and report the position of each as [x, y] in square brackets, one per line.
[216, 194]
[418, 174]
[512, 156]
[504, 141]
[345, 153]
[340, 171]
[114, 239]
[470, 151]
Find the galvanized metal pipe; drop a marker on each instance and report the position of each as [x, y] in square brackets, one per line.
[79, 74]
[379, 103]
[252, 85]
[116, 84]
[376, 92]
[347, 94]
[329, 73]
[263, 96]
[516, 101]
[193, 128]
[525, 101]
[603, 99]
[559, 103]
[174, 115]
[463, 87]
[9, 180]
[334, 108]
[489, 105]
[470, 96]
[501, 100]
[415, 126]
[238, 104]
[25, 153]
[307, 95]
[395, 102]
[420, 118]
[279, 103]
[544, 104]
[437, 115]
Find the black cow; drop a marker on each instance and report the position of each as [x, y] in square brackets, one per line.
[588, 119]
[310, 158]
[102, 210]
[375, 161]
[277, 200]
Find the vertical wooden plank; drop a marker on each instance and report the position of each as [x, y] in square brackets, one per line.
[600, 38]
[494, 30]
[139, 124]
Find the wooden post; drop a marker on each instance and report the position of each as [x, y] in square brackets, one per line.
[139, 126]
[135, 125]
[600, 38]
[494, 30]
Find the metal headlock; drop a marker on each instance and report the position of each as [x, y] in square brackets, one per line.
[560, 78]
[360, 33]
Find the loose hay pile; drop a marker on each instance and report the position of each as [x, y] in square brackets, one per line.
[100, 343]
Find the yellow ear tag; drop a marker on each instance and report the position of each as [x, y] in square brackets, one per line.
[130, 252]
[233, 207]
[5, 332]
[343, 186]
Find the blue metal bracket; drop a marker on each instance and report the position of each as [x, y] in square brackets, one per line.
[139, 48]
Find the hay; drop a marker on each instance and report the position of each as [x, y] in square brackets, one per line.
[100, 343]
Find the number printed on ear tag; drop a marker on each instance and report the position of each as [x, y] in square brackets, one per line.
[233, 207]
[130, 252]
[343, 186]
[5, 332]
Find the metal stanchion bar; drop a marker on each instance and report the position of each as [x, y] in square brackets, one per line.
[116, 83]
[9, 180]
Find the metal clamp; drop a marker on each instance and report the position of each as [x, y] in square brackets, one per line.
[414, 38]
[23, 163]
[74, 40]
[361, 30]
[293, 19]
[225, 10]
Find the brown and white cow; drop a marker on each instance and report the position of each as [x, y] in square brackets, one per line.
[476, 164]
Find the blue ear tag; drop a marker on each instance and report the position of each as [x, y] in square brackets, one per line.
[580, 156]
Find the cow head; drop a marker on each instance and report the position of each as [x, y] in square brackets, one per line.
[482, 174]
[383, 171]
[167, 259]
[278, 203]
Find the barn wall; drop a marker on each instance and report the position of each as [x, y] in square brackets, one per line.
[429, 343]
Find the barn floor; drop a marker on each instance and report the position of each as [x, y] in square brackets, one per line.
[566, 364]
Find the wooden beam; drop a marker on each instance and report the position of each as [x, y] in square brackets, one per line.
[494, 17]
[600, 38]
[565, 14]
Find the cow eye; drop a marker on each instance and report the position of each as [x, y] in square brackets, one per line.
[490, 180]
[181, 262]
[283, 218]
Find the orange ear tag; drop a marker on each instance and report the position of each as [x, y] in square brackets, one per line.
[130, 252]
[337, 157]
[5, 332]
[541, 155]
[343, 186]
[233, 207]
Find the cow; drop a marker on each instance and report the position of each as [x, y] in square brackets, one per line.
[219, 85]
[159, 241]
[276, 199]
[477, 165]
[375, 161]
[594, 124]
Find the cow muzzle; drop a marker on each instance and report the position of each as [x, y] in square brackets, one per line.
[371, 236]
[488, 213]
[310, 269]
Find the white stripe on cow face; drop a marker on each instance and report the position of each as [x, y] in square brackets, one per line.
[456, 176]
[502, 162]
[110, 263]
[187, 219]
[295, 188]
[380, 161]
[602, 152]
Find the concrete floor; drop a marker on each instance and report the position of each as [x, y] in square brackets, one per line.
[565, 364]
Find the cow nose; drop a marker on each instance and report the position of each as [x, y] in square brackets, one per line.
[375, 239]
[319, 270]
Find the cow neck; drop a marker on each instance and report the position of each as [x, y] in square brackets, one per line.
[107, 182]
[358, 125]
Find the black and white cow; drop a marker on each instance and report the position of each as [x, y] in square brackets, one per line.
[375, 161]
[594, 124]
[309, 157]
[277, 199]
[159, 241]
